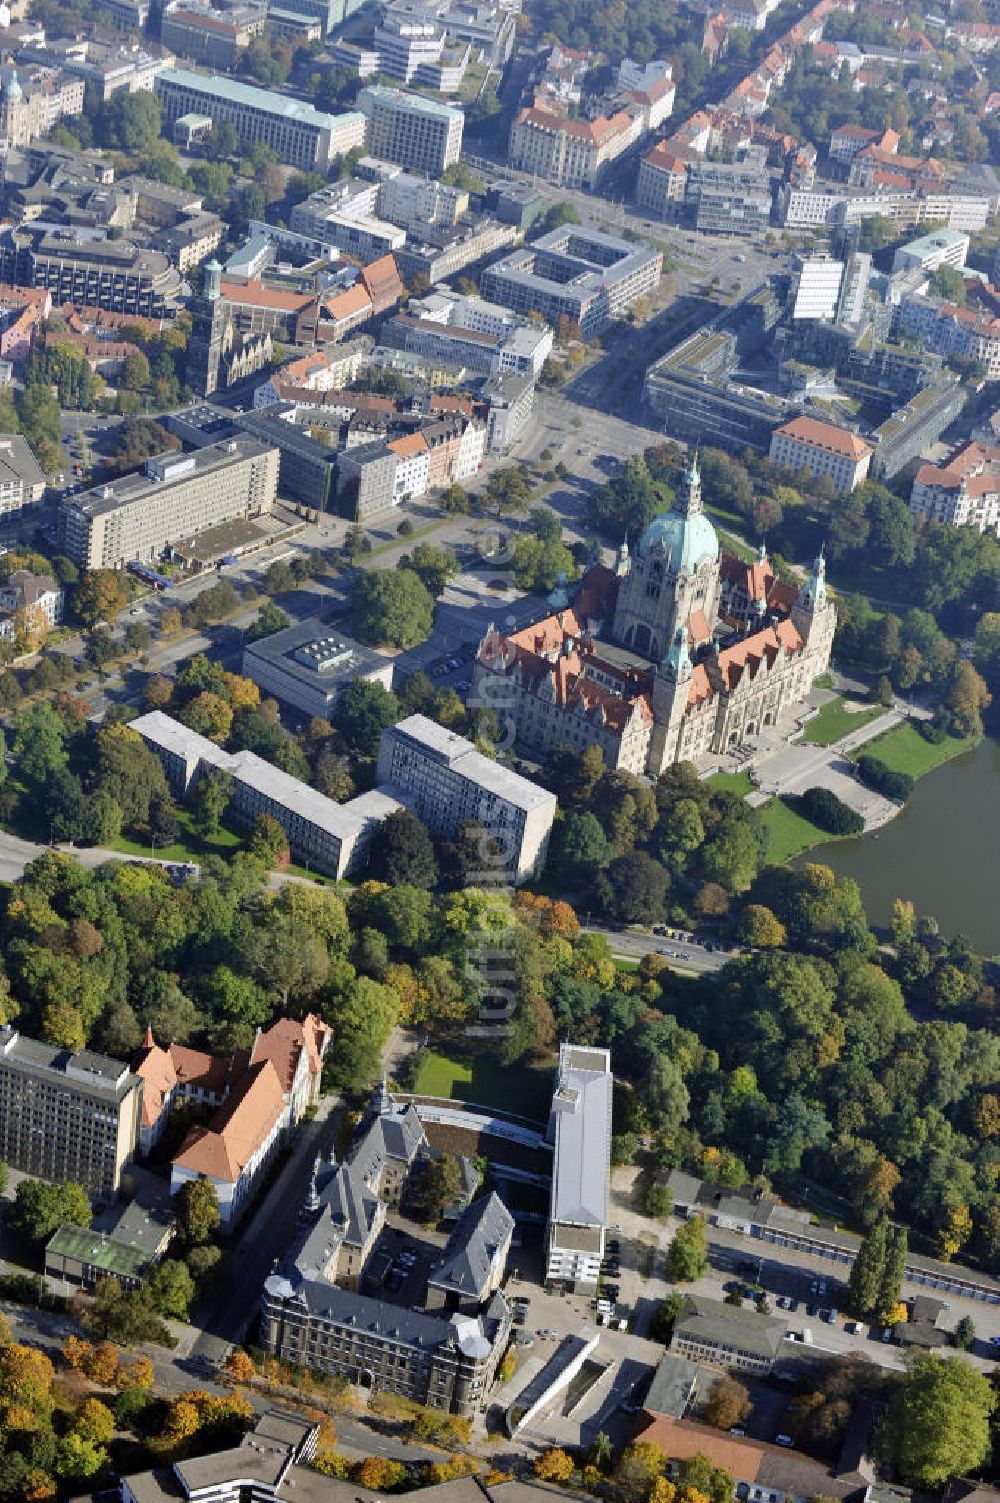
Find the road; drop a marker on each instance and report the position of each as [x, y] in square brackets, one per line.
[680, 955]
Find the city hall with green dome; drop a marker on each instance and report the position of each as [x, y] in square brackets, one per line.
[679, 652]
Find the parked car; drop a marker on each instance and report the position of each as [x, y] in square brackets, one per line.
[548, 1333]
[783, 1440]
[830, 1316]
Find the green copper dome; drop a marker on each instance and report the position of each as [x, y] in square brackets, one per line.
[689, 540]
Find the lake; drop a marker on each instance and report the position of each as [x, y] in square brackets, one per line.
[942, 852]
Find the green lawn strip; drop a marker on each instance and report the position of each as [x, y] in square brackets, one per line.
[189, 848]
[470, 1075]
[904, 749]
[835, 720]
[789, 833]
[736, 547]
[727, 518]
[731, 782]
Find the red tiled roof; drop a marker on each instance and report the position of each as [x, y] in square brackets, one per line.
[256, 295]
[223, 1150]
[827, 436]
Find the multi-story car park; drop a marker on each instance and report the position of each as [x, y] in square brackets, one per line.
[66, 1115]
[301, 135]
[176, 496]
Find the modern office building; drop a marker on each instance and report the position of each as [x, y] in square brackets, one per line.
[210, 36]
[580, 1132]
[308, 667]
[301, 135]
[469, 332]
[173, 498]
[576, 273]
[88, 269]
[941, 247]
[66, 1114]
[322, 834]
[806, 443]
[728, 198]
[446, 781]
[307, 469]
[817, 281]
[411, 130]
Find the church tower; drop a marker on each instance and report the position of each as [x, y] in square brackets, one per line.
[673, 580]
[208, 327]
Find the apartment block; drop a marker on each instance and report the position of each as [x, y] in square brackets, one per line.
[805, 443]
[971, 334]
[301, 135]
[30, 605]
[22, 479]
[444, 780]
[411, 130]
[963, 492]
[66, 1115]
[210, 36]
[580, 1133]
[570, 153]
[662, 180]
[581, 274]
[174, 497]
[327, 836]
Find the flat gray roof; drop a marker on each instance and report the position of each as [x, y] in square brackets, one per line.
[85, 1070]
[163, 470]
[459, 754]
[581, 1110]
[279, 650]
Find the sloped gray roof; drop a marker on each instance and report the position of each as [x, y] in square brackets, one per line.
[480, 1232]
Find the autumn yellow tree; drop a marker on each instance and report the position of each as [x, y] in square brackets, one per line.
[135, 1374]
[554, 1465]
[76, 1352]
[954, 1232]
[239, 1367]
[101, 1365]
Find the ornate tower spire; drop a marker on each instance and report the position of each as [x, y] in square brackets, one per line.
[688, 501]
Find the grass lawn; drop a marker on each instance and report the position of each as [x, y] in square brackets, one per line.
[836, 720]
[472, 1075]
[789, 834]
[905, 750]
[190, 847]
[736, 547]
[731, 782]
